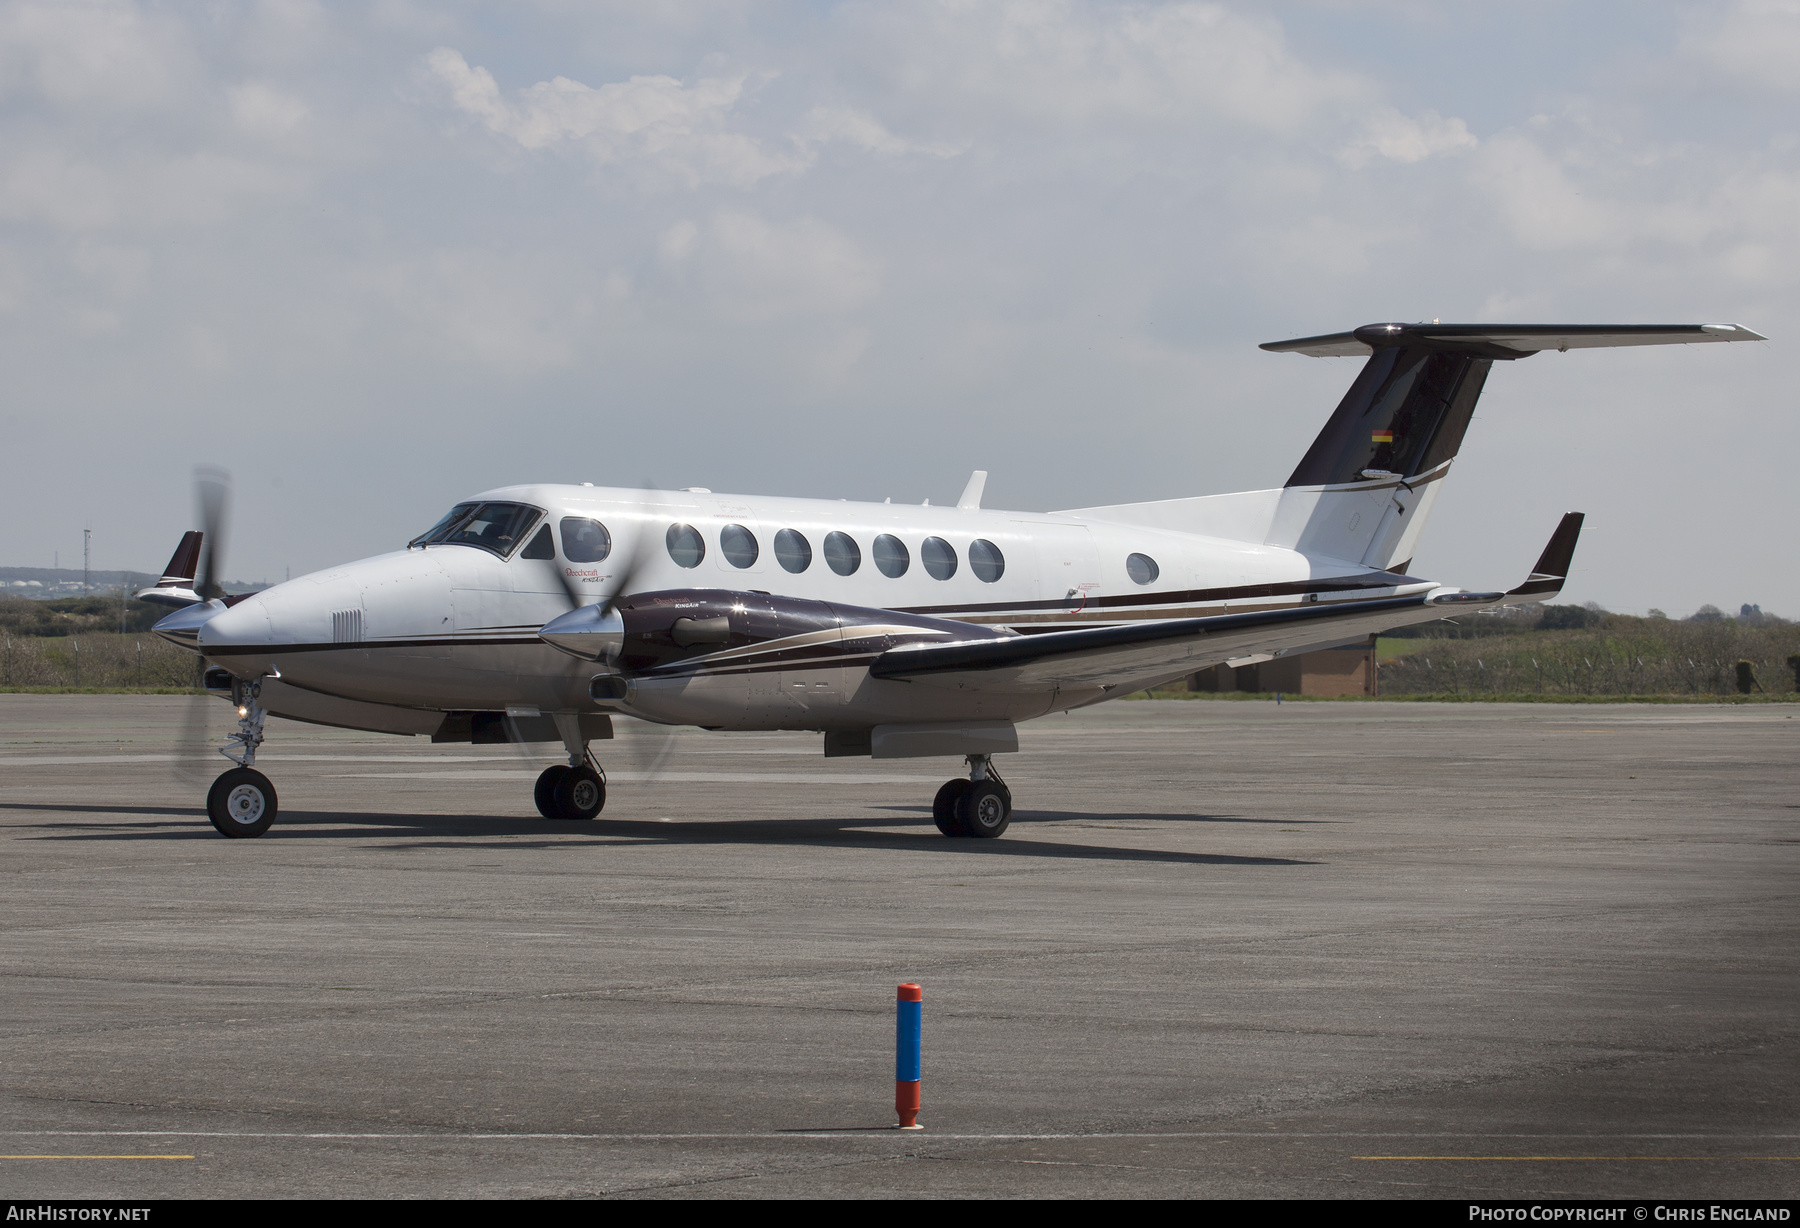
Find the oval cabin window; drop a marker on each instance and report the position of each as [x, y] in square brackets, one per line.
[793, 551]
[986, 561]
[1141, 568]
[584, 540]
[939, 557]
[891, 556]
[738, 544]
[685, 545]
[842, 554]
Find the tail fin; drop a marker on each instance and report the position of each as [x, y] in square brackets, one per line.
[1364, 489]
[176, 588]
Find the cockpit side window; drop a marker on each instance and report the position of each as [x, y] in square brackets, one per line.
[498, 527]
[541, 547]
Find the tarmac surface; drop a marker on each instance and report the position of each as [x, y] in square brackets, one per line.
[1226, 949]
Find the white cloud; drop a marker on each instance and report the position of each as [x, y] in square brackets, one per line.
[1074, 62]
[864, 131]
[653, 122]
[1756, 41]
[1402, 138]
[261, 110]
[751, 270]
[76, 52]
[1742, 222]
[503, 312]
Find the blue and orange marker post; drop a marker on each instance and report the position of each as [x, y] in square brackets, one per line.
[909, 1017]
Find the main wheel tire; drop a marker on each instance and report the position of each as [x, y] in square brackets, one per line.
[580, 794]
[544, 792]
[943, 807]
[241, 803]
[985, 809]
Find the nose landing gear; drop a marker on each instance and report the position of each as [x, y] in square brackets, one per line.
[241, 801]
[978, 806]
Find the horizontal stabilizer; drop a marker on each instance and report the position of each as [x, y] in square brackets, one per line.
[1507, 340]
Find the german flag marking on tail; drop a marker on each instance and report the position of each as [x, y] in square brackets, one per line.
[1382, 436]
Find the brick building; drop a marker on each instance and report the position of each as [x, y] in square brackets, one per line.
[1348, 669]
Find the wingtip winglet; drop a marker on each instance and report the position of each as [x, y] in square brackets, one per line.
[1552, 568]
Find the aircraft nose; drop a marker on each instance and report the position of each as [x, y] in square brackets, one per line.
[182, 628]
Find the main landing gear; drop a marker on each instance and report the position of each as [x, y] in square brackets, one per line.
[241, 801]
[575, 791]
[978, 806]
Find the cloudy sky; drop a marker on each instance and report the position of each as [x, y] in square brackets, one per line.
[375, 257]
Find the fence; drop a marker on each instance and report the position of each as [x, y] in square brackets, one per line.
[1626, 656]
[110, 661]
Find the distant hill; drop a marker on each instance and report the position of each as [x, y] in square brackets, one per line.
[39, 583]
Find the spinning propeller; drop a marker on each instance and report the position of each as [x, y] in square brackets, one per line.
[212, 498]
[594, 631]
[597, 626]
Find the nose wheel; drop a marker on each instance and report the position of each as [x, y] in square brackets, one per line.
[564, 792]
[241, 803]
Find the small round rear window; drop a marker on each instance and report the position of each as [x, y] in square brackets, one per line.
[1142, 569]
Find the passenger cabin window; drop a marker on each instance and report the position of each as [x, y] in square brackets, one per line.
[1142, 569]
[685, 545]
[842, 554]
[986, 561]
[891, 557]
[498, 527]
[793, 551]
[739, 545]
[584, 540]
[543, 546]
[939, 557]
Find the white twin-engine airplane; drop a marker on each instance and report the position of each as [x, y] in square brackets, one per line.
[531, 613]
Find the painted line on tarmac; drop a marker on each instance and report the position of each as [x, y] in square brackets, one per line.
[709, 778]
[869, 1131]
[96, 1157]
[1534, 1159]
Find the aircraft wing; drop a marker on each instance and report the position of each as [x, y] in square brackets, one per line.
[1135, 656]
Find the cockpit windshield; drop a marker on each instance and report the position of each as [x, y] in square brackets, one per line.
[436, 532]
[498, 527]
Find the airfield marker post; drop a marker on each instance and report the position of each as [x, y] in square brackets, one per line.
[909, 1012]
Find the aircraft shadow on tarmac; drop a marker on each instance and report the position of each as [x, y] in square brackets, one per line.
[431, 830]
